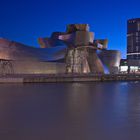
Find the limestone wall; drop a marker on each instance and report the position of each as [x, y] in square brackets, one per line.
[31, 67]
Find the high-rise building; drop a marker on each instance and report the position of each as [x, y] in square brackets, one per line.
[133, 44]
[133, 39]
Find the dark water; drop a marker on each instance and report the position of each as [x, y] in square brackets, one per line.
[78, 111]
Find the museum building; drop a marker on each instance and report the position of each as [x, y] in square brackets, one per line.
[73, 51]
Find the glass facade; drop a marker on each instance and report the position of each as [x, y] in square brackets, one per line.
[133, 39]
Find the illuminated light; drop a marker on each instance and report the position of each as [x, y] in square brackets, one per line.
[133, 53]
[134, 68]
[123, 68]
[100, 46]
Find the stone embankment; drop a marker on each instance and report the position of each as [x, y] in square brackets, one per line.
[36, 78]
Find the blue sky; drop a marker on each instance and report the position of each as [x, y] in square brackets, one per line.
[26, 20]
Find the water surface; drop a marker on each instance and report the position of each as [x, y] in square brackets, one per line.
[71, 111]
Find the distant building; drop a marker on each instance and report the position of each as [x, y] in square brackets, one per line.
[133, 45]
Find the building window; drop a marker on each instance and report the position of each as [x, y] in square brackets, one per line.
[134, 69]
[138, 26]
[137, 33]
[137, 48]
[137, 39]
[123, 69]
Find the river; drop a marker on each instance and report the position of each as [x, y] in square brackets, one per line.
[70, 111]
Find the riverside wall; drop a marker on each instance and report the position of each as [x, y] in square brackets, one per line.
[57, 78]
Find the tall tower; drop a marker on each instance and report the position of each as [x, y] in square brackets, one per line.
[133, 45]
[133, 39]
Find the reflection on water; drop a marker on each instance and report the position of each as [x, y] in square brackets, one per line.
[72, 111]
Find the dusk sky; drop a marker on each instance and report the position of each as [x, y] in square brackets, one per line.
[26, 20]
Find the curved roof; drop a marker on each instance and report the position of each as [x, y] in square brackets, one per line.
[11, 50]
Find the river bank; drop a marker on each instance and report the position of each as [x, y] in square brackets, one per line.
[36, 78]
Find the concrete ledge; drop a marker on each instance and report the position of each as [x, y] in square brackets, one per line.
[67, 78]
[11, 80]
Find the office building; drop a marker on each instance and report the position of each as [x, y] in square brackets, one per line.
[133, 45]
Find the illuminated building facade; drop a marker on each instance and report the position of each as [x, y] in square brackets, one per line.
[73, 51]
[133, 45]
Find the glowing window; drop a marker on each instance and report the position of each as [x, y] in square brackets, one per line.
[123, 68]
[138, 25]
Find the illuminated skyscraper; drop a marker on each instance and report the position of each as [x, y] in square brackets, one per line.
[133, 39]
[133, 45]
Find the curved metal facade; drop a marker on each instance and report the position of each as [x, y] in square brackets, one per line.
[110, 60]
[73, 51]
[10, 50]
